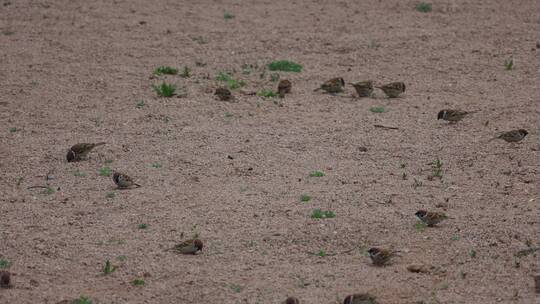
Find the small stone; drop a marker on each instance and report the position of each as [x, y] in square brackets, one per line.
[5, 279]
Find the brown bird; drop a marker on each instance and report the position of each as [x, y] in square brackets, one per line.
[360, 298]
[188, 247]
[291, 300]
[284, 87]
[363, 88]
[512, 136]
[394, 89]
[379, 256]
[79, 151]
[332, 86]
[452, 115]
[5, 279]
[430, 218]
[223, 94]
[123, 181]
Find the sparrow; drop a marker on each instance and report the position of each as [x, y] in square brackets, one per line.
[223, 94]
[379, 256]
[291, 300]
[512, 136]
[5, 279]
[79, 151]
[123, 181]
[452, 115]
[188, 247]
[332, 86]
[284, 87]
[363, 88]
[430, 218]
[392, 90]
[360, 298]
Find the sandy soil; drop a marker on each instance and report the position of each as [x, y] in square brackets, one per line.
[234, 172]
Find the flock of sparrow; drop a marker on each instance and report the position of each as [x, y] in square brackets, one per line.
[378, 256]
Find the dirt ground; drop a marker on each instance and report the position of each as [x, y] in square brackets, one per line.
[233, 173]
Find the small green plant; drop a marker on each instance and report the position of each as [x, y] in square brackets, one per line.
[108, 269]
[4, 264]
[472, 253]
[228, 15]
[437, 167]
[156, 165]
[509, 64]
[305, 198]
[423, 7]
[377, 109]
[420, 226]
[165, 89]
[105, 171]
[266, 93]
[321, 253]
[186, 72]
[82, 300]
[79, 173]
[319, 214]
[231, 82]
[138, 282]
[236, 288]
[285, 65]
[165, 70]
[49, 190]
[143, 226]
[316, 174]
[228, 114]
[140, 104]
[274, 77]
[13, 129]
[110, 195]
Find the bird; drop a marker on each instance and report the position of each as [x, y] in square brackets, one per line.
[512, 136]
[379, 256]
[191, 246]
[223, 94]
[393, 89]
[332, 86]
[123, 181]
[79, 151]
[5, 279]
[291, 300]
[430, 218]
[360, 298]
[284, 87]
[452, 115]
[363, 88]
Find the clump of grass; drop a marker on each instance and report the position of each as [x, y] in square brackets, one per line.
[423, 7]
[236, 288]
[108, 269]
[316, 173]
[49, 190]
[110, 195]
[305, 198]
[4, 264]
[437, 168]
[230, 81]
[472, 253]
[143, 226]
[156, 165]
[105, 171]
[82, 300]
[285, 65]
[140, 104]
[228, 114]
[228, 16]
[138, 282]
[13, 129]
[186, 72]
[320, 214]
[165, 89]
[321, 253]
[509, 64]
[377, 109]
[79, 173]
[165, 70]
[266, 93]
[420, 226]
[274, 77]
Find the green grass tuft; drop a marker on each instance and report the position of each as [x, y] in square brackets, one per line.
[165, 70]
[13, 129]
[266, 93]
[420, 226]
[305, 198]
[228, 16]
[377, 109]
[186, 72]
[105, 171]
[285, 65]
[165, 89]
[231, 82]
[509, 64]
[138, 282]
[423, 7]
[108, 269]
[319, 214]
[82, 300]
[143, 226]
[140, 104]
[316, 174]
[4, 264]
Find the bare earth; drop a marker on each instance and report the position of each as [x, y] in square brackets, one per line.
[233, 172]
